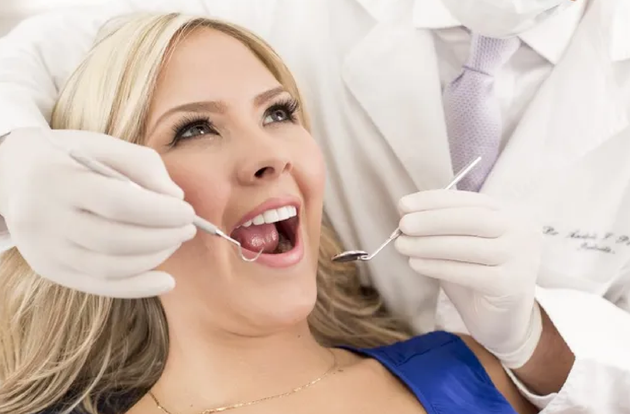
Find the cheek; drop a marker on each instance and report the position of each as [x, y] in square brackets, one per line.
[312, 169]
[311, 180]
[208, 193]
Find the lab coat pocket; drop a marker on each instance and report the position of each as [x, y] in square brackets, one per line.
[585, 252]
[586, 221]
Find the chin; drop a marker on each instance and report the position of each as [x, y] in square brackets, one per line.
[280, 286]
[276, 308]
[245, 308]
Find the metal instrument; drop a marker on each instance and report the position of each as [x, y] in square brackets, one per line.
[360, 255]
[105, 170]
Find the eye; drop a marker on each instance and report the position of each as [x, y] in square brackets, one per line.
[191, 129]
[278, 115]
[281, 112]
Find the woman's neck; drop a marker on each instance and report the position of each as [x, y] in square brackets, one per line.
[205, 370]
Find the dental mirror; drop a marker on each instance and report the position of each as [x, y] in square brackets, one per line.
[363, 256]
[350, 256]
[106, 171]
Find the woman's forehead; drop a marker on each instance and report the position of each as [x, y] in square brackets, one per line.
[209, 68]
[213, 65]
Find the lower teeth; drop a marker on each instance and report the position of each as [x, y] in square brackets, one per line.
[284, 245]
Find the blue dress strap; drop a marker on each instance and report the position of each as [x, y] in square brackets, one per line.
[443, 373]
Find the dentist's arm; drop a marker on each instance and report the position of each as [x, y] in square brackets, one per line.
[44, 195]
[597, 332]
[548, 368]
[35, 59]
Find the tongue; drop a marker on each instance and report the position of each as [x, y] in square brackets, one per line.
[255, 238]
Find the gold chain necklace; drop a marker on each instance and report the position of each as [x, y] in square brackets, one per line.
[333, 369]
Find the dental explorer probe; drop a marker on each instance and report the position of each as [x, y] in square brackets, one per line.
[106, 171]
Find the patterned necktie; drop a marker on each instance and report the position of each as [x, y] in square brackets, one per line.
[473, 118]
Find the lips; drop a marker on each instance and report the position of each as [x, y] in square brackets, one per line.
[272, 227]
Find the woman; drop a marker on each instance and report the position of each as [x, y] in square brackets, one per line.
[289, 333]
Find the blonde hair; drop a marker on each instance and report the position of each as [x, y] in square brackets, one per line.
[64, 348]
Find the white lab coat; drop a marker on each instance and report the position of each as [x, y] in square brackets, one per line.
[372, 85]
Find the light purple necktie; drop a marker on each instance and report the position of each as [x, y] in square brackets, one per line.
[473, 117]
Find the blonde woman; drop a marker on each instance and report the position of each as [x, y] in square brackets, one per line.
[290, 333]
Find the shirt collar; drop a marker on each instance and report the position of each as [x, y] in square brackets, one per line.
[550, 38]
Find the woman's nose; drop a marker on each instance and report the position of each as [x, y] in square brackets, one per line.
[263, 164]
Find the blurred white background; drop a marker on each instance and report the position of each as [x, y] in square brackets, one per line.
[12, 11]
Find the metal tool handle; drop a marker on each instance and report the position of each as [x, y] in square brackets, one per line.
[397, 233]
[98, 167]
[391, 238]
[107, 171]
[463, 173]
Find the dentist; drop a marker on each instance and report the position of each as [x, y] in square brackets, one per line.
[402, 92]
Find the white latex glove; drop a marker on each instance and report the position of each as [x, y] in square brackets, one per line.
[85, 231]
[486, 257]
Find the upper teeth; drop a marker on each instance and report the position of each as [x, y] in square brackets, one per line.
[272, 216]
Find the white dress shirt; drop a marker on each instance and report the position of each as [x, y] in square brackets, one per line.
[521, 77]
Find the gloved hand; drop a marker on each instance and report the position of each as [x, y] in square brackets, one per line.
[487, 258]
[85, 231]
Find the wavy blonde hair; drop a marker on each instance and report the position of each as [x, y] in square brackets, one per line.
[63, 348]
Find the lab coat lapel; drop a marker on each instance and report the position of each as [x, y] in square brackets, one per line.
[577, 109]
[393, 74]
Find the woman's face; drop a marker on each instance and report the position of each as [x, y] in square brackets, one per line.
[228, 134]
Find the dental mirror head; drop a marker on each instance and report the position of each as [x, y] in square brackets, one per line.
[350, 256]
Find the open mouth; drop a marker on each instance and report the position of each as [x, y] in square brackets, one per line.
[274, 231]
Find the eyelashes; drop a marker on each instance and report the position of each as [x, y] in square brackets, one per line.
[289, 106]
[192, 127]
[188, 123]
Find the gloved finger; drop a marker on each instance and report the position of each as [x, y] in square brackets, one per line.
[464, 221]
[479, 278]
[123, 202]
[113, 238]
[439, 199]
[465, 249]
[142, 165]
[144, 285]
[114, 267]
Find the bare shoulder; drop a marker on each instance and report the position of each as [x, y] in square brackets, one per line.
[499, 377]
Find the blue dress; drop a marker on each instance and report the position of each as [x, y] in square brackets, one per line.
[443, 373]
[438, 368]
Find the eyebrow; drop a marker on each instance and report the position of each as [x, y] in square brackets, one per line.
[217, 107]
